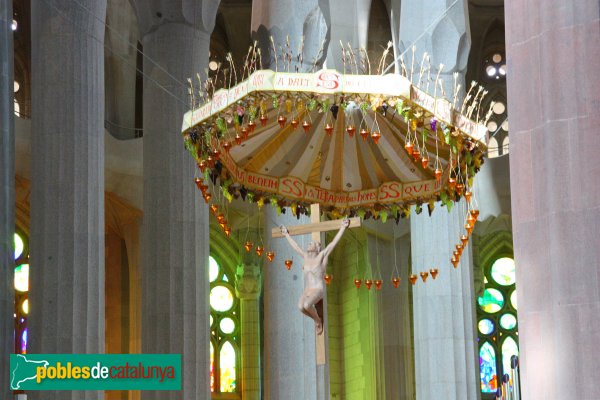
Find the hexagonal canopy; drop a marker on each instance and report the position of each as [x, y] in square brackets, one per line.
[355, 144]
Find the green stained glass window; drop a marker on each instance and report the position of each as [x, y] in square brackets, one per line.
[509, 349]
[513, 299]
[497, 324]
[492, 301]
[503, 271]
[228, 361]
[508, 321]
[19, 246]
[213, 269]
[227, 325]
[486, 326]
[221, 298]
[22, 278]
[21, 285]
[224, 308]
[487, 368]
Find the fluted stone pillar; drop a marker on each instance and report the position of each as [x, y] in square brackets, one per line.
[440, 28]
[293, 19]
[397, 335]
[349, 24]
[443, 309]
[7, 195]
[248, 285]
[289, 345]
[175, 235]
[67, 198]
[553, 81]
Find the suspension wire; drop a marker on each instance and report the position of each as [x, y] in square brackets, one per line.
[435, 21]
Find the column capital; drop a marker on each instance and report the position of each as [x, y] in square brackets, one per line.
[248, 281]
[155, 13]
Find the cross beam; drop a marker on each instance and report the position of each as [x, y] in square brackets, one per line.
[315, 227]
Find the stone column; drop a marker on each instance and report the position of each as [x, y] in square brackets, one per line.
[443, 309]
[248, 284]
[283, 18]
[175, 286]
[554, 97]
[349, 24]
[440, 28]
[289, 345]
[7, 196]
[67, 198]
[397, 328]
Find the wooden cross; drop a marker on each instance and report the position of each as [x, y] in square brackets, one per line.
[315, 228]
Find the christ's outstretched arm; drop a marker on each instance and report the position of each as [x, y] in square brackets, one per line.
[338, 236]
[292, 242]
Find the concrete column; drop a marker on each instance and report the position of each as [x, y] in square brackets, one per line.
[396, 316]
[175, 233]
[553, 98]
[440, 28]
[67, 198]
[248, 284]
[443, 309]
[283, 18]
[7, 196]
[289, 345]
[350, 24]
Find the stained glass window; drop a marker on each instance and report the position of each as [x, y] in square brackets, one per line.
[497, 324]
[486, 326]
[224, 317]
[487, 368]
[227, 358]
[492, 301]
[21, 284]
[503, 271]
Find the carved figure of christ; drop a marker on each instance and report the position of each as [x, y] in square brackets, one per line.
[315, 228]
[314, 265]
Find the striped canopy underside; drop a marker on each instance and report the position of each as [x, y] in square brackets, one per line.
[338, 162]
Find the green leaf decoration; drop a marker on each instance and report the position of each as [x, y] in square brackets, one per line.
[343, 106]
[312, 104]
[325, 106]
[275, 101]
[394, 210]
[221, 125]
[399, 106]
[252, 110]
[449, 204]
[361, 213]
[364, 106]
[273, 201]
[250, 197]
[383, 215]
[443, 197]
[418, 209]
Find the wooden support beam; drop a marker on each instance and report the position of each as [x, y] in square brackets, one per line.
[316, 227]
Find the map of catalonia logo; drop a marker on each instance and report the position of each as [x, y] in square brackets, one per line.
[95, 371]
[23, 370]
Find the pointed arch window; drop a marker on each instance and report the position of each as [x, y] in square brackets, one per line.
[225, 331]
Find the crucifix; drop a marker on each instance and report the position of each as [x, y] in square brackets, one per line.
[315, 261]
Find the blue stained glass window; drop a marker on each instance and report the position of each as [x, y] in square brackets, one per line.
[487, 368]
